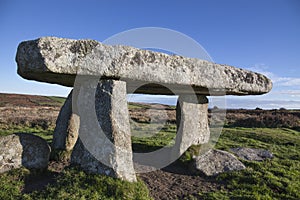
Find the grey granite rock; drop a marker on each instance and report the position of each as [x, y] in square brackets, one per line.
[104, 147]
[23, 149]
[215, 161]
[192, 122]
[66, 130]
[58, 60]
[252, 154]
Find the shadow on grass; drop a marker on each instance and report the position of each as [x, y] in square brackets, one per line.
[39, 180]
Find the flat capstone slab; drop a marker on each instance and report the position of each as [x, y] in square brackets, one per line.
[59, 60]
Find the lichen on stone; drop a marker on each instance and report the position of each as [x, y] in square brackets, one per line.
[83, 47]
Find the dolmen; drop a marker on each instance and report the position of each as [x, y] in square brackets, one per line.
[102, 76]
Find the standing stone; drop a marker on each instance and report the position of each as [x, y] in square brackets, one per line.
[23, 149]
[66, 131]
[104, 147]
[215, 161]
[192, 122]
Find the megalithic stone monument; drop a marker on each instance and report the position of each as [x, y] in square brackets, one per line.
[123, 68]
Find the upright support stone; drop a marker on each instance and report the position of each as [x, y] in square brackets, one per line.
[110, 152]
[191, 121]
[66, 131]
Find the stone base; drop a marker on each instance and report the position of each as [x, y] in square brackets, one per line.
[104, 144]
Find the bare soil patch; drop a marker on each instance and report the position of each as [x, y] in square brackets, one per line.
[177, 182]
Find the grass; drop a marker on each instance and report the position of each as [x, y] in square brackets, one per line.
[72, 184]
[76, 184]
[143, 139]
[277, 178]
[60, 100]
[39, 131]
[133, 105]
[49, 101]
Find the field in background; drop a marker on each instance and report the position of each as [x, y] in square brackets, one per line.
[277, 131]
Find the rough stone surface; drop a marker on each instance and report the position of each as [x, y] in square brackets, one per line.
[215, 161]
[252, 154]
[23, 149]
[67, 127]
[104, 144]
[58, 60]
[192, 122]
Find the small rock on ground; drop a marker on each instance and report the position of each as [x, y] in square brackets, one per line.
[23, 149]
[252, 154]
[215, 161]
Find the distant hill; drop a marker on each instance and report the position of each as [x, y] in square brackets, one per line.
[23, 100]
[143, 112]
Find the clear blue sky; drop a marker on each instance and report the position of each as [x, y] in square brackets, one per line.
[262, 35]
